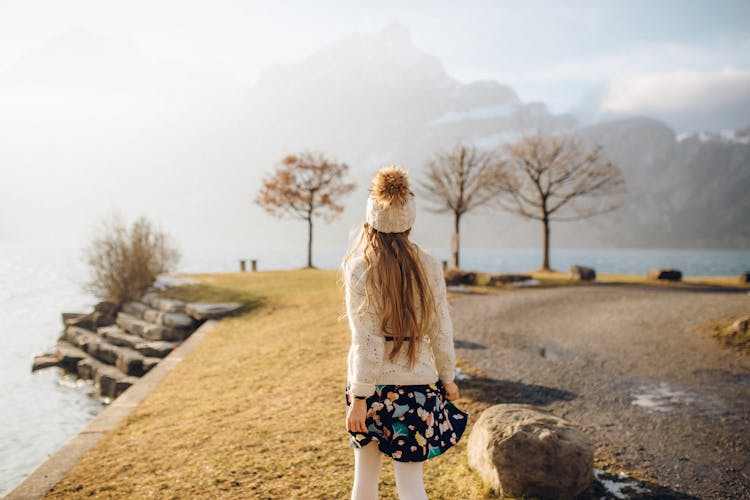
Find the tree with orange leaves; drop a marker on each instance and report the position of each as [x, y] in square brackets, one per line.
[304, 186]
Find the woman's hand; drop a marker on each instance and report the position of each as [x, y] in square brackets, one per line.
[451, 391]
[355, 416]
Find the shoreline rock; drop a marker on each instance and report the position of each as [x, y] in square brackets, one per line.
[115, 346]
[665, 274]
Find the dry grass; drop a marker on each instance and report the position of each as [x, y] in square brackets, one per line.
[256, 410]
[737, 340]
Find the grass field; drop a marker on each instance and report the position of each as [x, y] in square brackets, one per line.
[257, 408]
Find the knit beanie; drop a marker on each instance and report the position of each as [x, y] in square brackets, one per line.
[390, 206]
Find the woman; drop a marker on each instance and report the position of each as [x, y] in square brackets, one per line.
[401, 362]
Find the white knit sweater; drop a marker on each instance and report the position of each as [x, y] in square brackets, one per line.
[368, 363]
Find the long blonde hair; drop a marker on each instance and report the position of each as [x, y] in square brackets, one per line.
[405, 301]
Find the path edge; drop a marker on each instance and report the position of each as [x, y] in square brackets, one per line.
[47, 474]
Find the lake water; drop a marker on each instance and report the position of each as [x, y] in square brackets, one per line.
[42, 410]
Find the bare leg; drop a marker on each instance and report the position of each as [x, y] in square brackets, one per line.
[367, 464]
[409, 480]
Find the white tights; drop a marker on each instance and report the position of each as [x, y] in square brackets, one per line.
[367, 464]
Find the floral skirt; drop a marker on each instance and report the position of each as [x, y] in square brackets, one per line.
[411, 423]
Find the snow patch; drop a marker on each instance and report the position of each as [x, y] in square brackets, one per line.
[723, 136]
[482, 112]
[615, 484]
[661, 398]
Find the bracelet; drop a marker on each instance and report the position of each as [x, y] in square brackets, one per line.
[360, 397]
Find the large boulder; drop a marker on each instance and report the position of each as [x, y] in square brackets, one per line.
[665, 274]
[520, 450]
[582, 273]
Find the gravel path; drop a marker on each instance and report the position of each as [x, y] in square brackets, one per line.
[627, 364]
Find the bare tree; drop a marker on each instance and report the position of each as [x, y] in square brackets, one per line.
[304, 186]
[458, 181]
[547, 172]
[123, 262]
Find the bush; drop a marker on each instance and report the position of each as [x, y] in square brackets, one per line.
[123, 263]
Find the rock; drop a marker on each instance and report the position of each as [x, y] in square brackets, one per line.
[71, 315]
[460, 277]
[206, 310]
[740, 326]
[149, 330]
[583, 273]
[91, 321]
[520, 450]
[665, 274]
[155, 348]
[129, 361]
[68, 355]
[104, 351]
[163, 304]
[88, 366]
[117, 336]
[80, 337]
[745, 277]
[111, 382]
[175, 320]
[507, 278]
[135, 308]
[43, 361]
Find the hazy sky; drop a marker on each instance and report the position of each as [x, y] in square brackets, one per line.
[586, 57]
[111, 114]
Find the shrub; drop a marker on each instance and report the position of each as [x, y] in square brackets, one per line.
[123, 263]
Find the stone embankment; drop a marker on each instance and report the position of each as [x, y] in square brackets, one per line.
[114, 346]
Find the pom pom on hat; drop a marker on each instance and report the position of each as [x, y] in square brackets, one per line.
[390, 186]
[391, 207]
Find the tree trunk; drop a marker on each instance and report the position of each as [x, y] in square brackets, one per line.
[455, 242]
[309, 240]
[545, 258]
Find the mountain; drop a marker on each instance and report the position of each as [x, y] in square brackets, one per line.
[91, 123]
[688, 191]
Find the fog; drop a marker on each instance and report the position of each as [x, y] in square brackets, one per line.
[115, 111]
